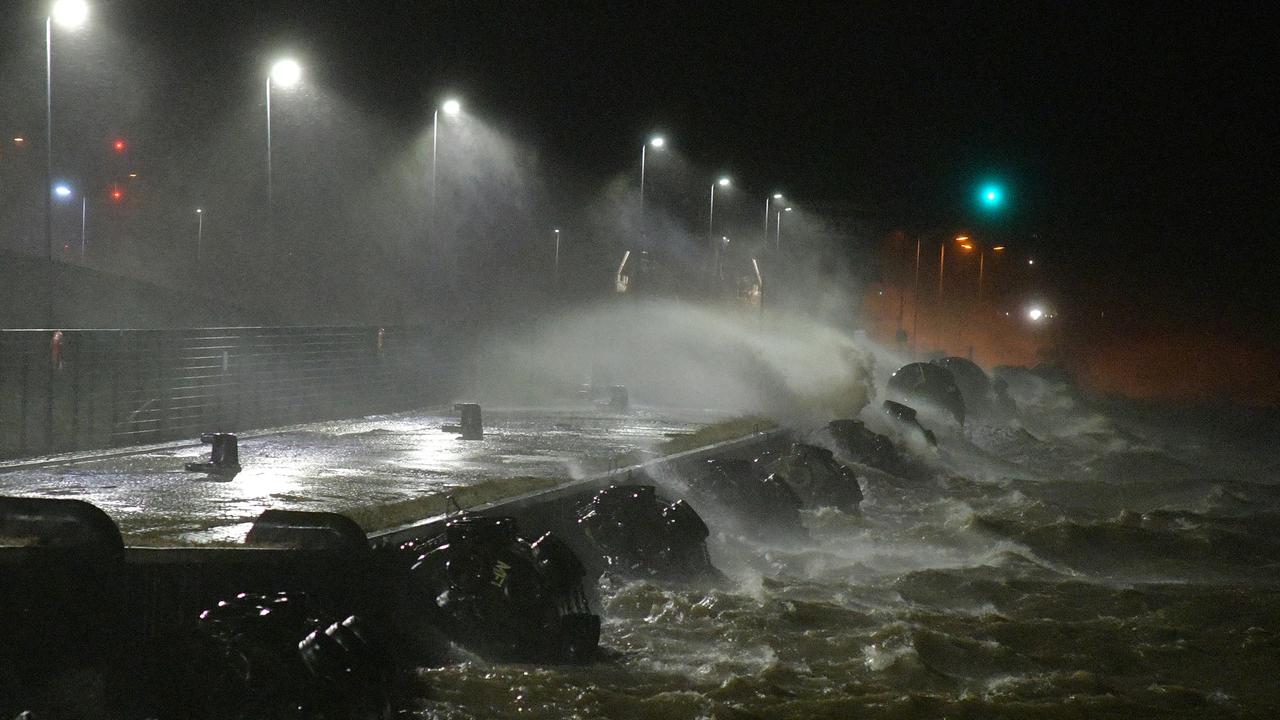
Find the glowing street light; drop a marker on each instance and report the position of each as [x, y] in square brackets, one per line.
[1035, 314]
[285, 72]
[70, 14]
[64, 192]
[767, 204]
[452, 108]
[657, 142]
[777, 240]
[711, 214]
[967, 244]
[722, 245]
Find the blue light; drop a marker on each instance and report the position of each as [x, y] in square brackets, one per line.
[62, 190]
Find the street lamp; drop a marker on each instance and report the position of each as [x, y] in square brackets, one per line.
[199, 232]
[657, 142]
[777, 239]
[69, 15]
[711, 214]
[452, 108]
[286, 72]
[767, 201]
[557, 267]
[963, 241]
[721, 248]
[981, 262]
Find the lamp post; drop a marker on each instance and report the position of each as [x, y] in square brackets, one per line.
[767, 201]
[199, 232]
[982, 257]
[657, 142]
[65, 192]
[286, 73]
[452, 108]
[777, 238]
[711, 213]
[721, 248]
[557, 264]
[68, 14]
[996, 249]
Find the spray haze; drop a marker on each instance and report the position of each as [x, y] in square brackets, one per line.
[674, 353]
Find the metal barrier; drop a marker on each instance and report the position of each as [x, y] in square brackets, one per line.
[82, 389]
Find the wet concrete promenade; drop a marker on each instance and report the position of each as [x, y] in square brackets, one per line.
[350, 466]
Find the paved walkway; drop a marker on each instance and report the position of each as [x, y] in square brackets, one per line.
[347, 466]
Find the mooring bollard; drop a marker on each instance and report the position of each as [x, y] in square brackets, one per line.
[224, 454]
[471, 427]
[618, 400]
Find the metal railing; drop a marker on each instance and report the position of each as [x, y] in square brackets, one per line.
[83, 389]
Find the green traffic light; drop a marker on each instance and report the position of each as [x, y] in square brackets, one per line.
[991, 196]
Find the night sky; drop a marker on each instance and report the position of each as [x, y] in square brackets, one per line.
[1135, 139]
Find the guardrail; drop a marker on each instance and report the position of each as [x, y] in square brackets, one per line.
[82, 389]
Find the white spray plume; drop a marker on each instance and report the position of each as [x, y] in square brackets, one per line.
[669, 353]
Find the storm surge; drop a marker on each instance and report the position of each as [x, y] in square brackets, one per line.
[674, 354]
[1082, 561]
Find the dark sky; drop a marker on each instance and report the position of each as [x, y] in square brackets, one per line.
[1135, 138]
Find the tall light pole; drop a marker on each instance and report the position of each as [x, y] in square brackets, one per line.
[767, 201]
[69, 14]
[286, 73]
[942, 259]
[982, 256]
[657, 142]
[452, 108]
[199, 232]
[557, 270]
[777, 239]
[84, 221]
[721, 247]
[996, 249]
[711, 214]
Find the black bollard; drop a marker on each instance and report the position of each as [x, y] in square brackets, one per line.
[618, 400]
[471, 427]
[224, 454]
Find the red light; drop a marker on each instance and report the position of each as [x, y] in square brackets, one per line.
[117, 194]
[118, 145]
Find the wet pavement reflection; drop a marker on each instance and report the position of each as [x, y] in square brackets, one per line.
[343, 465]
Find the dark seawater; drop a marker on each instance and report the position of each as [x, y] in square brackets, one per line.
[1099, 562]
